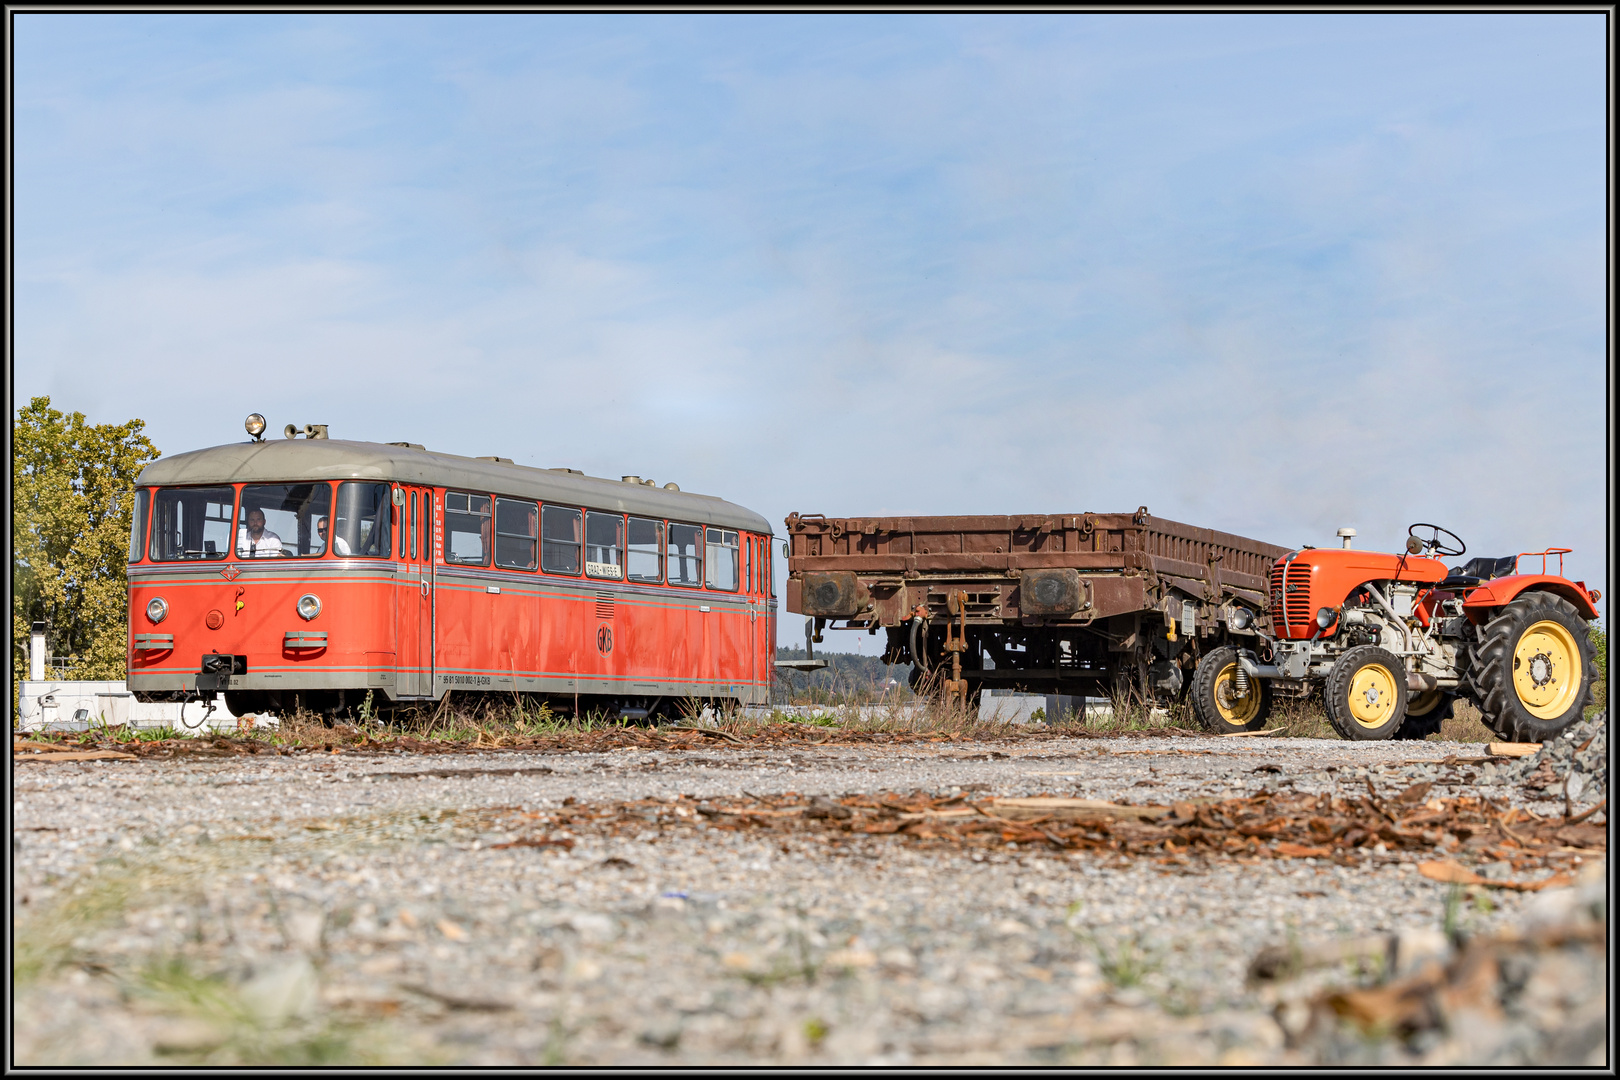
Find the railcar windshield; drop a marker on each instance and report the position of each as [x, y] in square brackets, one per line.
[685, 555]
[137, 524]
[364, 523]
[284, 520]
[192, 523]
[604, 545]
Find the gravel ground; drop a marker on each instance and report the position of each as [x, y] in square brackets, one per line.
[360, 908]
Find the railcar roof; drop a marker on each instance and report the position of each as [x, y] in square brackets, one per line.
[281, 460]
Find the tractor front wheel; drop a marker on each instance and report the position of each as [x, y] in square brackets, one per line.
[1532, 670]
[1365, 694]
[1216, 700]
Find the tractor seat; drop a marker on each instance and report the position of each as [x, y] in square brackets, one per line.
[1478, 571]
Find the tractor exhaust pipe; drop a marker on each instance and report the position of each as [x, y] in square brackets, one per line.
[1419, 683]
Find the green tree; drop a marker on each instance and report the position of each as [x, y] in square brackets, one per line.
[72, 491]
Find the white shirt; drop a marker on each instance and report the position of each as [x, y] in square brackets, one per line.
[247, 547]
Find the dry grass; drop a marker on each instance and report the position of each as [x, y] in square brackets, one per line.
[514, 721]
[1464, 726]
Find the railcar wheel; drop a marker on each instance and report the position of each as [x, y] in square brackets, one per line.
[1365, 695]
[241, 702]
[1532, 670]
[1425, 713]
[1216, 700]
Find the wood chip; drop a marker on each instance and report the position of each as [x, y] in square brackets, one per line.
[1300, 851]
[1024, 809]
[1249, 734]
[77, 755]
[1513, 749]
[1453, 873]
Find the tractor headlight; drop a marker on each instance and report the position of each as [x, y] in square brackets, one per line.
[309, 606]
[1325, 617]
[157, 609]
[1241, 619]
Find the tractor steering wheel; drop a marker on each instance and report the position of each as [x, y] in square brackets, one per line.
[1433, 542]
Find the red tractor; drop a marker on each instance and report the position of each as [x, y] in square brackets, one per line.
[1392, 640]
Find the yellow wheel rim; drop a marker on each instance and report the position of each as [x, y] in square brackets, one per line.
[1234, 709]
[1372, 696]
[1546, 670]
[1424, 703]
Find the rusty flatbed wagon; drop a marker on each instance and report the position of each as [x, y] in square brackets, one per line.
[1072, 603]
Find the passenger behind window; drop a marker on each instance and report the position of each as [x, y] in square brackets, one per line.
[604, 545]
[685, 555]
[559, 539]
[341, 547]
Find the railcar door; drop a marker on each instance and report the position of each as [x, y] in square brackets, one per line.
[415, 675]
[756, 622]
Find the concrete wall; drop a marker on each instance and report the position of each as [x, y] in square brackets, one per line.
[76, 705]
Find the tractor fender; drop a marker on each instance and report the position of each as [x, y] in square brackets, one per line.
[1502, 590]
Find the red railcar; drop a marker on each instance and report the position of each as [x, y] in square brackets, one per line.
[315, 572]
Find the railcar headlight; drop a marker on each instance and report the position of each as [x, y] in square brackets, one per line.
[1241, 618]
[157, 609]
[254, 425]
[309, 606]
[1325, 617]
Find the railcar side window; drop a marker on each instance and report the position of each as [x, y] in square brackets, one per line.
[137, 524]
[559, 540]
[192, 523]
[770, 566]
[517, 532]
[646, 559]
[722, 559]
[280, 520]
[466, 528]
[364, 526]
[604, 545]
[413, 524]
[685, 555]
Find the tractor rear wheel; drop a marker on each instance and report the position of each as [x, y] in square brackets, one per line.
[1365, 694]
[1215, 698]
[1425, 713]
[1532, 670]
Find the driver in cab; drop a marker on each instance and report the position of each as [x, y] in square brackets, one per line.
[254, 541]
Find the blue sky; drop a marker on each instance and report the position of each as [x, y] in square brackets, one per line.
[1269, 274]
